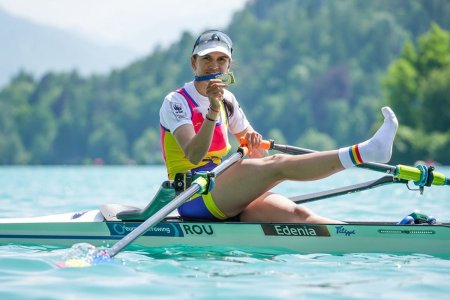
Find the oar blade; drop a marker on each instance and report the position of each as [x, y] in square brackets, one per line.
[82, 255]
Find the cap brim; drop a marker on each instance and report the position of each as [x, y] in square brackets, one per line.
[214, 49]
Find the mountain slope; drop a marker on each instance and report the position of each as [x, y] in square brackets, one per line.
[39, 48]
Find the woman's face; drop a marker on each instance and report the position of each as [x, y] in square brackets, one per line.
[211, 63]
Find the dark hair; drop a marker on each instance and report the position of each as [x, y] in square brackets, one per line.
[229, 108]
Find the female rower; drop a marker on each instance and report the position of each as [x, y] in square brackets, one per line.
[194, 122]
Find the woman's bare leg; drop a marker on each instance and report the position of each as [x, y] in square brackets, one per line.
[271, 207]
[250, 178]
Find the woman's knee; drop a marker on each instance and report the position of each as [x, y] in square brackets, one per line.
[277, 164]
[303, 213]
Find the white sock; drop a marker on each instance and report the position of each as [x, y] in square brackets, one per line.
[376, 149]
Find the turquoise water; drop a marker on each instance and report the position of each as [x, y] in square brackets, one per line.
[212, 273]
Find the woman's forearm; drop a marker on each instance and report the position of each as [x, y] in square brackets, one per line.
[198, 146]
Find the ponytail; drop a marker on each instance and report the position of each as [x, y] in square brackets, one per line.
[229, 108]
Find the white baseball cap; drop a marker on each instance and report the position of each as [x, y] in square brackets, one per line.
[213, 41]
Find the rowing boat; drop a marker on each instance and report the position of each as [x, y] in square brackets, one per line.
[155, 226]
[355, 237]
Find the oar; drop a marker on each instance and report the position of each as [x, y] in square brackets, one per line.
[197, 186]
[416, 174]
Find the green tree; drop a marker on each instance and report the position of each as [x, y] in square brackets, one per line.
[417, 86]
[299, 64]
[147, 149]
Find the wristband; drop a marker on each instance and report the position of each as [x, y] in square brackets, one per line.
[214, 110]
[212, 120]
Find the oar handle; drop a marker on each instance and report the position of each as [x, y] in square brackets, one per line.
[266, 145]
[399, 171]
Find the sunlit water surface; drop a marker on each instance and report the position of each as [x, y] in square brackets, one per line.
[213, 273]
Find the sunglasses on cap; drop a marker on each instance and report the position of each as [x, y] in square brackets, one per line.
[214, 37]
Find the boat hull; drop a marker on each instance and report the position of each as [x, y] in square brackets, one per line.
[355, 237]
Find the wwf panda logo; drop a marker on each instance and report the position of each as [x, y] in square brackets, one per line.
[178, 111]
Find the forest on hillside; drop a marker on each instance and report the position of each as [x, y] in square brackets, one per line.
[312, 73]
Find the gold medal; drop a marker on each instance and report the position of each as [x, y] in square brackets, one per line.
[227, 78]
